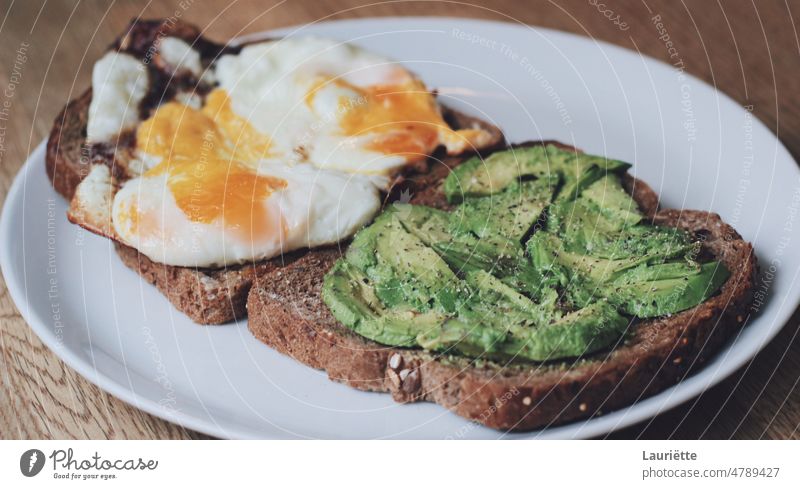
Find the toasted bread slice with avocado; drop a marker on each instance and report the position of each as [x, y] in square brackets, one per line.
[288, 314]
[206, 295]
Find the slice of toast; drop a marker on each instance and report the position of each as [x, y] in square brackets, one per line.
[207, 296]
[286, 312]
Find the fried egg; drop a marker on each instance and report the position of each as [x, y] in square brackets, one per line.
[215, 198]
[338, 106]
[290, 148]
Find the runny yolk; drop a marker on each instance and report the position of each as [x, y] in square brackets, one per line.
[404, 119]
[209, 155]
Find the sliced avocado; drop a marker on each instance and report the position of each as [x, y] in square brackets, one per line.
[506, 261]
[401, 268]
[582, 219]
[516, 328]
[604, 219]
[426, 223]
[635, 241]
[608, 194]
[553, 254]
[481, 177]
[456, 336]
[486, 281]
[509, 214]
[584, 172]
[576, 334]
[349, 294]
[409, 272]
[464, 252]
[484, 321]
[494, 314]
[468, 254]
[460, 249]
[495, 300]
[656, 290]
[361, 252]
[585, 276]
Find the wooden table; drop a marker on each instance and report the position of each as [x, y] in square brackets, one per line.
[751, 52]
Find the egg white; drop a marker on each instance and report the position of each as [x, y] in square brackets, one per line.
[317, 206]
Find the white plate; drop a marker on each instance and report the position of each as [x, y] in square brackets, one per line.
[691, 143]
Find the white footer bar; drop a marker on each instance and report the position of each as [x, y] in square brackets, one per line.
[401, 464]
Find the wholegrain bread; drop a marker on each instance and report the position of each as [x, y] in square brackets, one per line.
[287, 313]
[207, 296]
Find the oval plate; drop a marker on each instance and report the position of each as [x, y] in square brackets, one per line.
[693, 144]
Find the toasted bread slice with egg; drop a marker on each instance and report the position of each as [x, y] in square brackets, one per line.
[208, 295]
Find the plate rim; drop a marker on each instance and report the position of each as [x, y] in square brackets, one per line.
[615, 420]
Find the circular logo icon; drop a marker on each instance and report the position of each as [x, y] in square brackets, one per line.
[31, 462]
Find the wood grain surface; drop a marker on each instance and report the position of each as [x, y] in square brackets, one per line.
[748, 49]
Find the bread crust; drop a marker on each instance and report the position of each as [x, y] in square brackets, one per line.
[207, 296]
[287, 313]
[67, 159]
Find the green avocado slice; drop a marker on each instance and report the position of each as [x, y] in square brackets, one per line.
[509, 214]
[493, 315]
[645, 285]
[464, 252]
[668, 288]
[549, 252]
[482, 177]
[361, 252]
[426, 223]
[608, 194]
[486, 319]
[500, 323]
[351, 297]
[578, 333]
[408, 272]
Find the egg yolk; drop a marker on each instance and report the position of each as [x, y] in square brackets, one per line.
[208, 155]
[403, 119]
